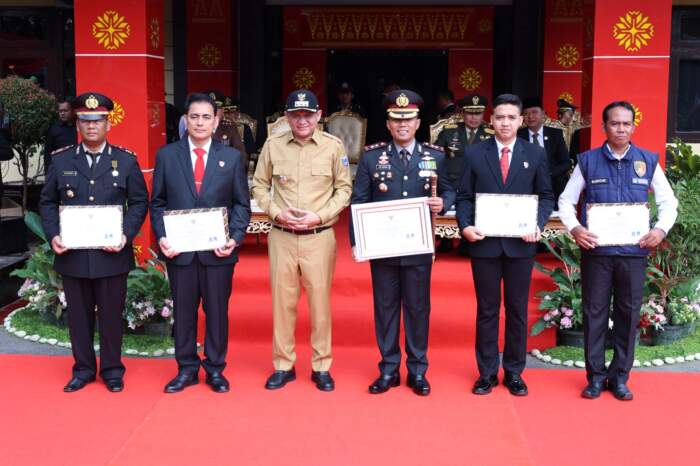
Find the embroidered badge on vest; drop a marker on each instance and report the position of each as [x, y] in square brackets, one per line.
[640, 168]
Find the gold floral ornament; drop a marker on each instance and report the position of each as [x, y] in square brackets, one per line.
[566, 95]
[116, 116]
[209, 55]
[567, 55]
[111, 30]
[154, 34]
[470, 79]
[638, 115]
[303, 77]
[633, 31]
[291, 26]
[484, 25]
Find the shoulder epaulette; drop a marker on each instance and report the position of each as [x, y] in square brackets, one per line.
[124, 149]
[433, 146]
[330, 136]
[54, 152]
[450, 126]
[226, 122]
[489, 131]
[376, 145]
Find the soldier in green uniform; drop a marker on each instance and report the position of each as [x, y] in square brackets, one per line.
[455, 138]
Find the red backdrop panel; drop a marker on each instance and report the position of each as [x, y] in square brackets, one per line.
[305, 69]
[470, 71]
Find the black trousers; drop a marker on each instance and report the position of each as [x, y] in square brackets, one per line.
[622, 279]
[82, 295]
[211, 284]
[488, 273]
[394, 287]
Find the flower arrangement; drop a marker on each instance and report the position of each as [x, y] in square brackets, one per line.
[148, 298]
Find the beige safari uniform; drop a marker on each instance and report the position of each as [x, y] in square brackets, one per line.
[316, 177]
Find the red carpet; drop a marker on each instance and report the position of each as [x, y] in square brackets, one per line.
[300, 425]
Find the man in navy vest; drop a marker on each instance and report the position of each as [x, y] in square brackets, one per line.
[616, 172]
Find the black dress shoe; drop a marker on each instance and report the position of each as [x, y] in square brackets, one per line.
[323, 380]
[114, 385]
[419, 384]
[483, 385]
[279, 379]
[384, 382]
[180, 382]
[217, 382]
[620, 391]
[516, 385]
[76, 383]
[592, 390]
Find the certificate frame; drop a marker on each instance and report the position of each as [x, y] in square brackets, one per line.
[498, 234]
[224, 216]
[613, 205]
[62, 230]
[416, 218]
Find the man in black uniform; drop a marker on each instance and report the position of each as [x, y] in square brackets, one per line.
[231, 108]
[552, 139]
[94, 173]
[565, 112]
[455, 138]
[400, 170]
[445, 104]
[346, 96]
[226, 132]
[60, 134]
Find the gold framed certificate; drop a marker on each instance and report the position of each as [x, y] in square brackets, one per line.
[196, 229]
[618, 224]
[506, 215]
[392, 228]
[90, 227]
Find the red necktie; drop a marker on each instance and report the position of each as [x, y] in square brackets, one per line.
[199, 168]
[504, 163]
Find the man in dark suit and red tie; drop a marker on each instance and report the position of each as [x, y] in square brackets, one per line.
[504, 165]
[198, 172]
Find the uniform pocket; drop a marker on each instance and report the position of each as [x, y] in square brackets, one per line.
[321, 169]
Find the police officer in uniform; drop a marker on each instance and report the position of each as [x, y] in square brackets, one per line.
[455, 138]
[226, 132]
[346, 103]
[309, 172]
[231, 110]
[565, 112]
[93, 173]
[402, 169]
[618, 171]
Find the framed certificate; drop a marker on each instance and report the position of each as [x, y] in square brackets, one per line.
[392, 228]
[506, 215]
[618, 224]
[90, 227]
[196, 229]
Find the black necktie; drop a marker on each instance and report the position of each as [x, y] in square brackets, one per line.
[94, 156]
[404, 157]
[536, 139]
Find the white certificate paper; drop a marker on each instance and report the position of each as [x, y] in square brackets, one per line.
[90, 227]
[618, 224]
[392, 229]
[196, 229]
[506, 215]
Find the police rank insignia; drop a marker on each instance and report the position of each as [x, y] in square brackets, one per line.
[640, 167]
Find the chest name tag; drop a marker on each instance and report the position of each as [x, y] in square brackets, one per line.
[70, 173]
[383, 166]
[599, 181]
[643, 181]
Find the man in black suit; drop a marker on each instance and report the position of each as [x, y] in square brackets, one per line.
[552, 139]
[400, 170]
[503, 165]
[90, 174]
[198, 172]
[61, 133]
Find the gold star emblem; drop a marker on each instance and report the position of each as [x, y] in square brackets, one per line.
[470, 79]
[633, 31]
[116, 116]
[638, 115]
[567, 55]
[111, 30]
[303, 78]
[209, 55]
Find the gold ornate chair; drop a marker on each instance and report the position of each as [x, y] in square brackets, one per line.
[437, 127]
[250, 122]
[351, 128]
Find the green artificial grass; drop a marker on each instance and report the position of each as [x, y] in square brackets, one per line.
[683, 347]
[33, 323]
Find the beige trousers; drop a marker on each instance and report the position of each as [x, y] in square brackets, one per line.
[297, 260]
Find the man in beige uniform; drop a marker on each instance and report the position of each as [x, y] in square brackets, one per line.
[308, 171]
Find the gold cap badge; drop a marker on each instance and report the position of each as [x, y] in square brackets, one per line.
[92, 102]
[402, 100]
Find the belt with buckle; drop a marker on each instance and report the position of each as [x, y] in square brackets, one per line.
[313, 231]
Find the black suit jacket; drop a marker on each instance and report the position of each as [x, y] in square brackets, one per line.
[402, 184]
[528, 174]
[71, 181]
[557, 156]
[224, 185]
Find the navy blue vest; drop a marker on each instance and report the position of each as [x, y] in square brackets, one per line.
[611, 180]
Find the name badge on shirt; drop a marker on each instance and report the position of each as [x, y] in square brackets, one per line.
[643, 181]
[599, 181]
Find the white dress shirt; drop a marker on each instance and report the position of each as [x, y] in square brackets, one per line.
[89, 157]
[510, 146]
[193, 156]
[666, 202]
[540, 135]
